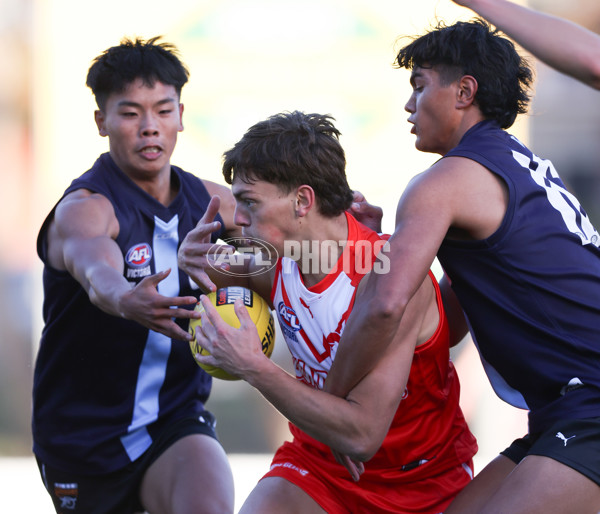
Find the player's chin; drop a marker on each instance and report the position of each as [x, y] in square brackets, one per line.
[423, 146]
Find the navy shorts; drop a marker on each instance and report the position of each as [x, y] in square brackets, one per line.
[572, 442]
[117, 492]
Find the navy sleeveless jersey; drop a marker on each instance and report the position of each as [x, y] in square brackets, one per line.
[531, 291]
[104, 385]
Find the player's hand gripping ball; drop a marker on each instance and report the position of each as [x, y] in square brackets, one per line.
[260, 313]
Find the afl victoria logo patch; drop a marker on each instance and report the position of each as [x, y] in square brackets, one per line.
[139, 255]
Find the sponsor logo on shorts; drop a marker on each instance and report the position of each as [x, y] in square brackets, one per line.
[67, 494]
[289, 465]
[563, 438]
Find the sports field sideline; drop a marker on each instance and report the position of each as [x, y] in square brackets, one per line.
[22, 491]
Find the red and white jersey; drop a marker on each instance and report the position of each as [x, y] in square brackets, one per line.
[428, 433]
[312, 319]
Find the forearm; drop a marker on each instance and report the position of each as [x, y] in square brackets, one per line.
[562, 44]
[338, 423]
[97, 265]
[369, 331]
[106, 287]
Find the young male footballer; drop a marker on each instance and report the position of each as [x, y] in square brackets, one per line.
[119, 424]
[402, 418]
[521, 255]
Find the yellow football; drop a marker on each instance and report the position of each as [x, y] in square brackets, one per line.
[223, 300]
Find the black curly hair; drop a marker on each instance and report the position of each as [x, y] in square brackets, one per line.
[474, 48]
[150, 60]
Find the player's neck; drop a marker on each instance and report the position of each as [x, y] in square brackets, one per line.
[161, 187]
[322, 245]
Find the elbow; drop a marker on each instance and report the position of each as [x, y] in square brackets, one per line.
[363, 450]
[362, 445]
[387, 309]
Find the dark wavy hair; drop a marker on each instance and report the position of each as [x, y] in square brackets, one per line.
[291, 149]
[150, 60]
[474, 48]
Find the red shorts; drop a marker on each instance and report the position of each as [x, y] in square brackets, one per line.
[330, 485]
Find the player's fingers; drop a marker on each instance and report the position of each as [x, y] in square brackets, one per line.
[172, 330]
[203, 281]
[211, 210]
[177, 301]
[204, 229]
[206, 359]
[357, 196]
[200, 336]
[351, 467]
[210, 311]
[218, 253]
[242, 313]
[183, 314]
[155, 279]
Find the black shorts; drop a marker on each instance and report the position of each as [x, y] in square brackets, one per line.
[572, 442]
[117, 492]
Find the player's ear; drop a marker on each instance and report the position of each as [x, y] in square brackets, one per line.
[180, 129]
[100, 122]
[467, 89]
[305, 200]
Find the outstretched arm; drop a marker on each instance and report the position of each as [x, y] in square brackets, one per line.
[562, 44]
[81, 240]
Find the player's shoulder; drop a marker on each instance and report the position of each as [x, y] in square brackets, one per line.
[448, 175]
[218, 189]
[452, 167]
[83, 198]
[83, 206]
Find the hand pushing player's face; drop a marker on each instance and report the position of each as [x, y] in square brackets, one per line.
[433, 113]
[264, 211]
[142, 125]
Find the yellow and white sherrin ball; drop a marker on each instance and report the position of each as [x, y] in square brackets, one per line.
[260, 313]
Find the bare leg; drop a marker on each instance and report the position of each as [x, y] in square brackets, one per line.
[543, 485]
[192, 476]
[274, 495]
[472, 498]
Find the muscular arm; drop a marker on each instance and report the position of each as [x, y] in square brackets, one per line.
[456, 196]
[564, 45]
[356, 425]
[81, 240]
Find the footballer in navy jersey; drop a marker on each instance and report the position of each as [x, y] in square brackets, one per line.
[520, 253]
[119, 423]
